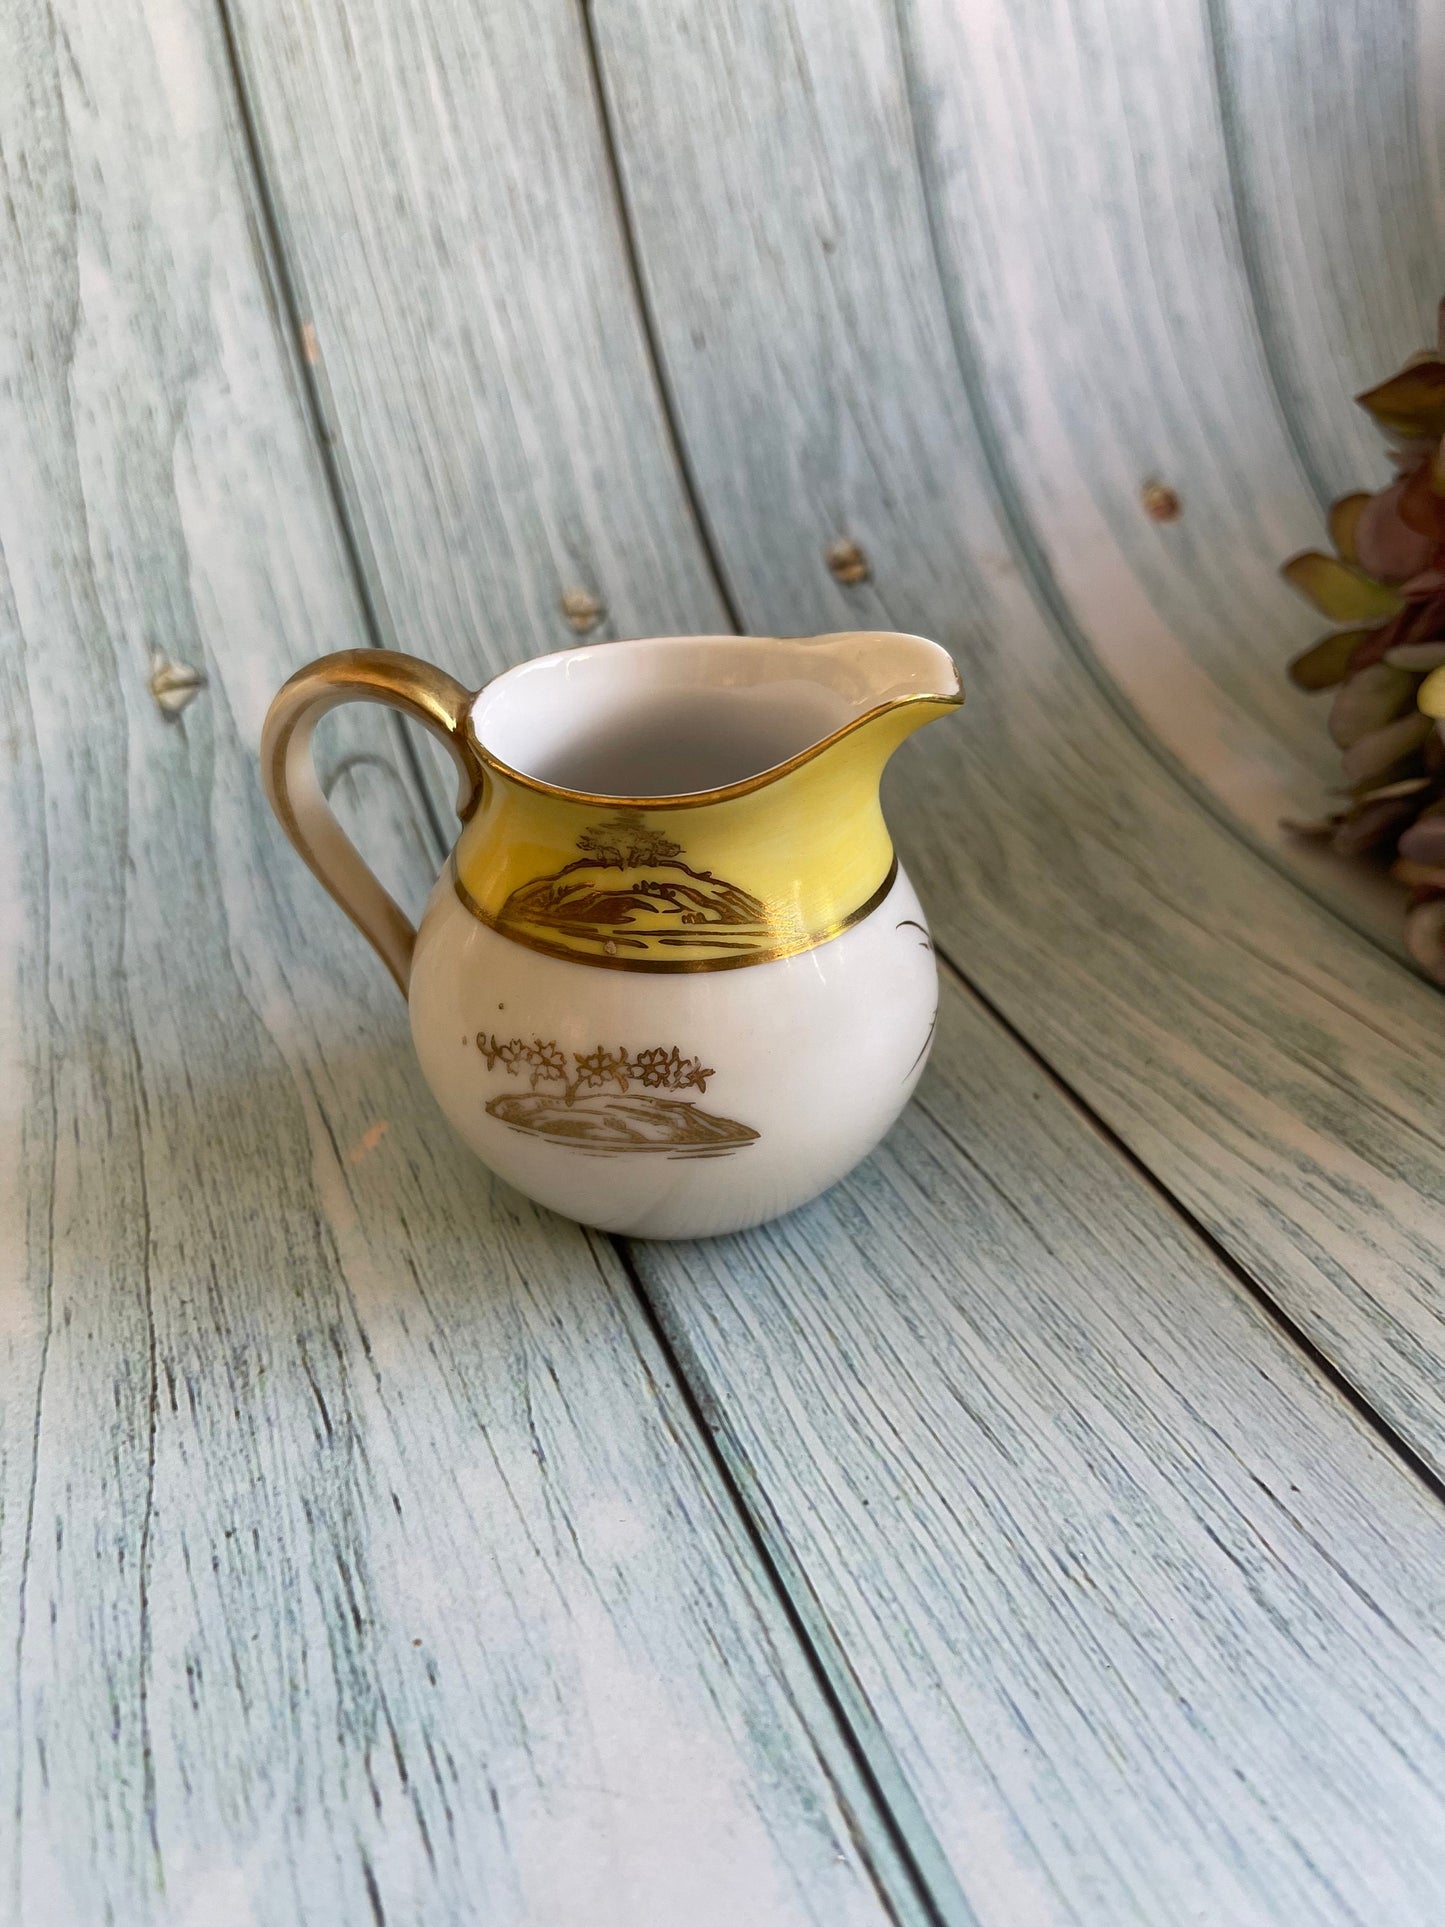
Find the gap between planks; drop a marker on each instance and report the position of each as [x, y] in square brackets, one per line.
[667, 401]
[827, 1662]
[310, 378]
[913, 1840]
[1226, 105]
[1278, 1316]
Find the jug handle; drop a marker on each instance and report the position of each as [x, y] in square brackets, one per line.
[293, 788]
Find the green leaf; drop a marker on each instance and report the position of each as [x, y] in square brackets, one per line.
[1323, 665]
[1338, 591]
[1411, 403]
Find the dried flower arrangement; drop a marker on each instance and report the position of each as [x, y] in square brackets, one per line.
[1386, 583]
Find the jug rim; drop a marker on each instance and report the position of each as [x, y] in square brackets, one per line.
[724, 792]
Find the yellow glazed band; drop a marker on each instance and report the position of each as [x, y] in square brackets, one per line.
[761, 869]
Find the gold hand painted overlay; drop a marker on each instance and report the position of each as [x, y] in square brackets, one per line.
[761, 869]
[609, 1101]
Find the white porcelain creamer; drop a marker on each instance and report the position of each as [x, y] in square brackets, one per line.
[672, 980]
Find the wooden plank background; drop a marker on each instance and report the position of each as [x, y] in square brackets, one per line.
[1043, 1527]
[361, 1556]
[1268, 1065]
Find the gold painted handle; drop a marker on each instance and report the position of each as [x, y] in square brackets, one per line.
[428, 696]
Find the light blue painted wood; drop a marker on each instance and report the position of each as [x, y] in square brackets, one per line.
[442, 192]
[1276, 1072]
[1143, 1621]
[1120, 1599]
[359, 1555]
[1334, 135]
[1088, 229]
[990, 1714]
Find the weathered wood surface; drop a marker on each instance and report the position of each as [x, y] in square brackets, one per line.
[1276, 1071]
[1140, 1621]
[788, 339]
[1120, 1600]
[359, 1556]
[441, 187]
[1333, 136]
[1114, 235]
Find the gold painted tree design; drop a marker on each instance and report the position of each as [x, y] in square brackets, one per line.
[625, 842]
[610, 1100]
[656, 1069]
[628, 894]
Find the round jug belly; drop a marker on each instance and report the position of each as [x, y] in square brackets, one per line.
[673, 1104]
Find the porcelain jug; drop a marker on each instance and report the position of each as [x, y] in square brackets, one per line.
[672, 980]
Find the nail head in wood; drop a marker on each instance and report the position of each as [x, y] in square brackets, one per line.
[1160, 502]
[582, 610]
[173, 685]
[848, 562]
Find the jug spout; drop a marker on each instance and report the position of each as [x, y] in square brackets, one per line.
[892, 684]
[875, 668]
[821, 811]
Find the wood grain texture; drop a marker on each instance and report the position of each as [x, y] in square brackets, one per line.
[1274, 1070]
[1027, 1845]
[359, 1557]
[1333, 130]
[1096, 246]
[442, 190]
[1145, 1620]
[1121, 1599]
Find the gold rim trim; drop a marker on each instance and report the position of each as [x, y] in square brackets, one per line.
[670, 966]
[696, 799]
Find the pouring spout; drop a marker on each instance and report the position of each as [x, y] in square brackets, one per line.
[878, 669]
[892, 684]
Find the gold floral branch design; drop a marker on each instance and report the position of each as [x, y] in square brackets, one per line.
[656, 1069]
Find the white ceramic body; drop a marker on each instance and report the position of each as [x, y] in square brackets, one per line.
[622, 991]
[817, 1053]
